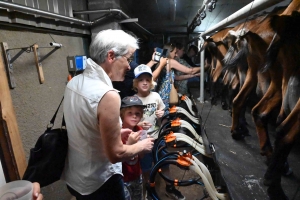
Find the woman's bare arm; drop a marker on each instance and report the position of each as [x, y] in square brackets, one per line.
[185, 76]
[176, 65]
[161, 65]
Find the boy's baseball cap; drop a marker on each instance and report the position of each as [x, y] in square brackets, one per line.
[131, 101]
[141, 69]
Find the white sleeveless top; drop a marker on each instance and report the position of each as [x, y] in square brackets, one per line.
[87, 166]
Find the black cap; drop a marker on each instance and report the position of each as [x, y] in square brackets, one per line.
[131, 101]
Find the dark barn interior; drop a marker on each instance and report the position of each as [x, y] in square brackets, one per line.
[245, 122]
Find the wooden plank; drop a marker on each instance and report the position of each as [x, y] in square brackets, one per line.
[8, 162]
[38, 64]
[8, 115]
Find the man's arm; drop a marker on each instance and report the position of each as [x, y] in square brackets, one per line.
[108, 117]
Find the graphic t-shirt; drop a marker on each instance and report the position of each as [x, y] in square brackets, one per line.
[152, 103]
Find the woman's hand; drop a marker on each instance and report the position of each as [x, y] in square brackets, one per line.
[36, 191]
[196, 75]
[152, 58]
[159, 113]
[125, 134]
[133, 138]
[163, 61]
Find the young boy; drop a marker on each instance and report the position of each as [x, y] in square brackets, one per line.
[131, 114]
[153, 110]
[153, 104]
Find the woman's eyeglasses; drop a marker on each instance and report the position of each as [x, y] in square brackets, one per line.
[129, 60]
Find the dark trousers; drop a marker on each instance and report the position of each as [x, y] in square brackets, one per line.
[112, 189]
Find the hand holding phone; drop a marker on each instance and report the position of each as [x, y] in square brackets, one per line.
[157, 54]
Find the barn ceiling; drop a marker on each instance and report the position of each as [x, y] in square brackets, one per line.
[161, 16]
[155, 16]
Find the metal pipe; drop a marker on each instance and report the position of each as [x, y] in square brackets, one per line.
[100, 19]
[250, 9]
[201, 98]
[87, 12]
[25, 9]
[41, 30]
[55, 44]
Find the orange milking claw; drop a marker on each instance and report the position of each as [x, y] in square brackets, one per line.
[170, 137]
[183, 97]
[152, 184]
[183, 162]
[173, 109]
[176, 182]
[175, 122]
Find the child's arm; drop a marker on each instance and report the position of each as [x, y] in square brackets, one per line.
[160, 108]
[159, 113]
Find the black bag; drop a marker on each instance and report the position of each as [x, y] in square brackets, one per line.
[47, 158]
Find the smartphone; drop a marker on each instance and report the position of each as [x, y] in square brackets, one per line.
[158, 53]
[164, 53]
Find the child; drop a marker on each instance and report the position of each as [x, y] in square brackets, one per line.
[153, 104]
[131, 114]
[153, 110]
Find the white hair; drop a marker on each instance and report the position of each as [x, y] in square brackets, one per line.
[116, 40]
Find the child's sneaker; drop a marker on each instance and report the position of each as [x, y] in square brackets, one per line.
[171, 192]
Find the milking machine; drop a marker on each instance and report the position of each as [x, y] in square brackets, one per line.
[183, 130]
[187, 104]
[185, 161]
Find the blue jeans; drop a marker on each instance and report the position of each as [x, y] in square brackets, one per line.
[146, 162]
[112, 189]
[194, 79]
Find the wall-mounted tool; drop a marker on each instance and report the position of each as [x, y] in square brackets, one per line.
[38, 61]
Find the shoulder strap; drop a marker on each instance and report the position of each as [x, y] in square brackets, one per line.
[170, 72]
[51, 123]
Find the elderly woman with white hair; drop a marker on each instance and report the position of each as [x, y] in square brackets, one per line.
[93, 167]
